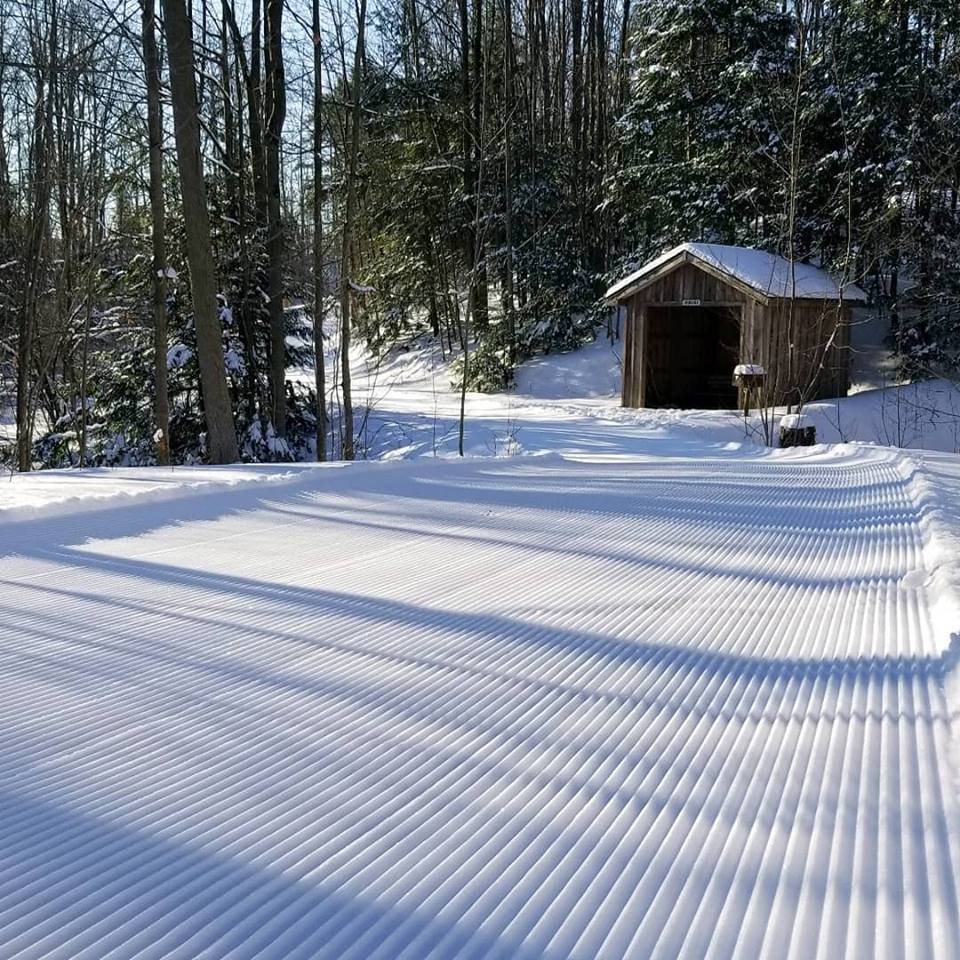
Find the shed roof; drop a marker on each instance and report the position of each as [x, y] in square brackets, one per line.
[766, 273]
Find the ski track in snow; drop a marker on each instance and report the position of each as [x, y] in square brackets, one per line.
[620, 706]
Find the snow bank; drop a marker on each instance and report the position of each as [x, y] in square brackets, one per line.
[940, 522]
[565, 402]
[924, 416]
[26, 496]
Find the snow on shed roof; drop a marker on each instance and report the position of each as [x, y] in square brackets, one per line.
[767, 273]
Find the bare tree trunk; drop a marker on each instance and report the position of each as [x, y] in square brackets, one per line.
[39, 164]
[792, 190]
[221, 432]
[479, 280]
[250, 306]
[319, 284]
[539, 24]
[508, 102]
[84, 353]
[622, 75]
[465, 346]
[348, 218]
[256, 118]
[576, 109]
[469, 97]
[232, 155]
[276, 101]
[6, 197]
[155, 132]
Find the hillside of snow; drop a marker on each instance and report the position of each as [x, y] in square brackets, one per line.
[592, 371]
[410, 408]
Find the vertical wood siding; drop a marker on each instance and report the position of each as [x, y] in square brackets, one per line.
[806, 353]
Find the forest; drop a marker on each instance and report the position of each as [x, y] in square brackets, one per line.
[192, 193]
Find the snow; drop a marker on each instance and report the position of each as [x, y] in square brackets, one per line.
[794, 421]
[565, 401]
[922, 416]
[624, 703]
[748, 370]
[178, 355]
[408, 407]
[766, 273]
[233, 360]
[593, 371]
[650, 690]
[46, 493]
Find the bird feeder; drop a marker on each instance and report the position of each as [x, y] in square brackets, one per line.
[748, 378]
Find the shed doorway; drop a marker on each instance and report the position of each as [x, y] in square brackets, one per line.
[691, 355]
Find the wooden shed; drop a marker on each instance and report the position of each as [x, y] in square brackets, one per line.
[700, 310]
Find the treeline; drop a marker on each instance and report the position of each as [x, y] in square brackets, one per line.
[183, 190]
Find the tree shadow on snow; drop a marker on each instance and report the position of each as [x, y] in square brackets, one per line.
[89, 883]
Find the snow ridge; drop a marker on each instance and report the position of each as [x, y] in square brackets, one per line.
[50, 493]
[941, 552]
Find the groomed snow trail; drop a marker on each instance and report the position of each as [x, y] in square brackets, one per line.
[695, 705]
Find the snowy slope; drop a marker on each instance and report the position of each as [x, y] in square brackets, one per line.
[563, 401]
[592, 371]
[923, 415]
[653, 698]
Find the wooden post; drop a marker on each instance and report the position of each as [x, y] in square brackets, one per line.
[643, 326]
[626, 389]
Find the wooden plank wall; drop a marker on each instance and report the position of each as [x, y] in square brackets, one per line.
[689, 283]
[629, 347]
[634, 355]
[821, 340]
